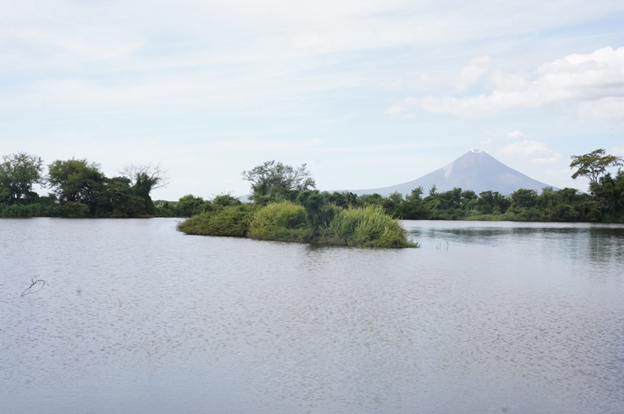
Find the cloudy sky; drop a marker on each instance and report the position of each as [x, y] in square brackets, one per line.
[368, 93]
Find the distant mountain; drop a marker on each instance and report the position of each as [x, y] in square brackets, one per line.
[475, 170]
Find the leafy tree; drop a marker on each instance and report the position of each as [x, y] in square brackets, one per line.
[189, 205]
[118, 199]
[225, 200]
[76, 181]
[524, 198]
[415, 208]
[594, 165]
[319, 210]
[144, 179]
[609, 195]
[18, 174]
[274, 180]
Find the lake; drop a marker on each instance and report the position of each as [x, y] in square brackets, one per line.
[138, 318]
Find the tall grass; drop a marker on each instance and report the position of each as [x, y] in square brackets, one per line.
[283, 221]
[365, 227]
[228, 221]
[30, 210]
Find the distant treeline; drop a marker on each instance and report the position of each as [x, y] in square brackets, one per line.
[603, 203]
[78, 189]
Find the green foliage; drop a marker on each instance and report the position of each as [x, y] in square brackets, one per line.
[30, 210]
[189, 205]
[77, 181]
[225, 200]
[144, 179]
[73, 209]
[18, 173]
[609, 198]
[366, 227]
[273, 181]
[117, 199]
[594, 165]
[230, 221]
[319, 210]
[283, 221]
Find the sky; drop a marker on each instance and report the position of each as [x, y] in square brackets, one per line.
[367, 93]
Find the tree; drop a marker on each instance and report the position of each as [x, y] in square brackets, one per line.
[145, 178]
[594, 165]
[272, 180]
[118, 199]
[524, 198]
[75, 180]
[226, 200]
[18, 174]
[189, 205]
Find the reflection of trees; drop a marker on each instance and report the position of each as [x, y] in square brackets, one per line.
[606, 245]
[601, 245]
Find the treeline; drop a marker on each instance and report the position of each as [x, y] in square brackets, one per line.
[604, 202]
[78, 189]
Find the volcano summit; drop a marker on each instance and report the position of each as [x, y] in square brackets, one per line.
[475, 170]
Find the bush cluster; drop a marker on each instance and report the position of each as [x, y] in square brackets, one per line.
[232, 221]
[288, 221]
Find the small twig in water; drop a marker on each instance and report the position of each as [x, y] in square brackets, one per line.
[34, 282]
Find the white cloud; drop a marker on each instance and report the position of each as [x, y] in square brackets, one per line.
[515, 135]
[605, 108]
[470, 74]
[538, 152]
[486, 141]
[595, 79]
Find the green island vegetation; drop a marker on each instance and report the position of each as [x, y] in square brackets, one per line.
[286, 206]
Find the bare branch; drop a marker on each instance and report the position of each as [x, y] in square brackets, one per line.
[34, 282]
[154, 174]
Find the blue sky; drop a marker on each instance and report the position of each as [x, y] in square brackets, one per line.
[368, 93]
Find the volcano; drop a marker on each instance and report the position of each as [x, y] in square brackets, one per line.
[475, 170]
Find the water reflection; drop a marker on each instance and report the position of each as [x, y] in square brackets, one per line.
[604, 242]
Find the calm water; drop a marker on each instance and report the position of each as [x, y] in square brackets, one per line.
[137, 318]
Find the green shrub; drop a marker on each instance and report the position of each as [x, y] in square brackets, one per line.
[283, 221]
[365, 227]
[75, 210]
[230, 221]
[30, 210]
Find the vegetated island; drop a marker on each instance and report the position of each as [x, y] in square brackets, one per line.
[285, 207]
